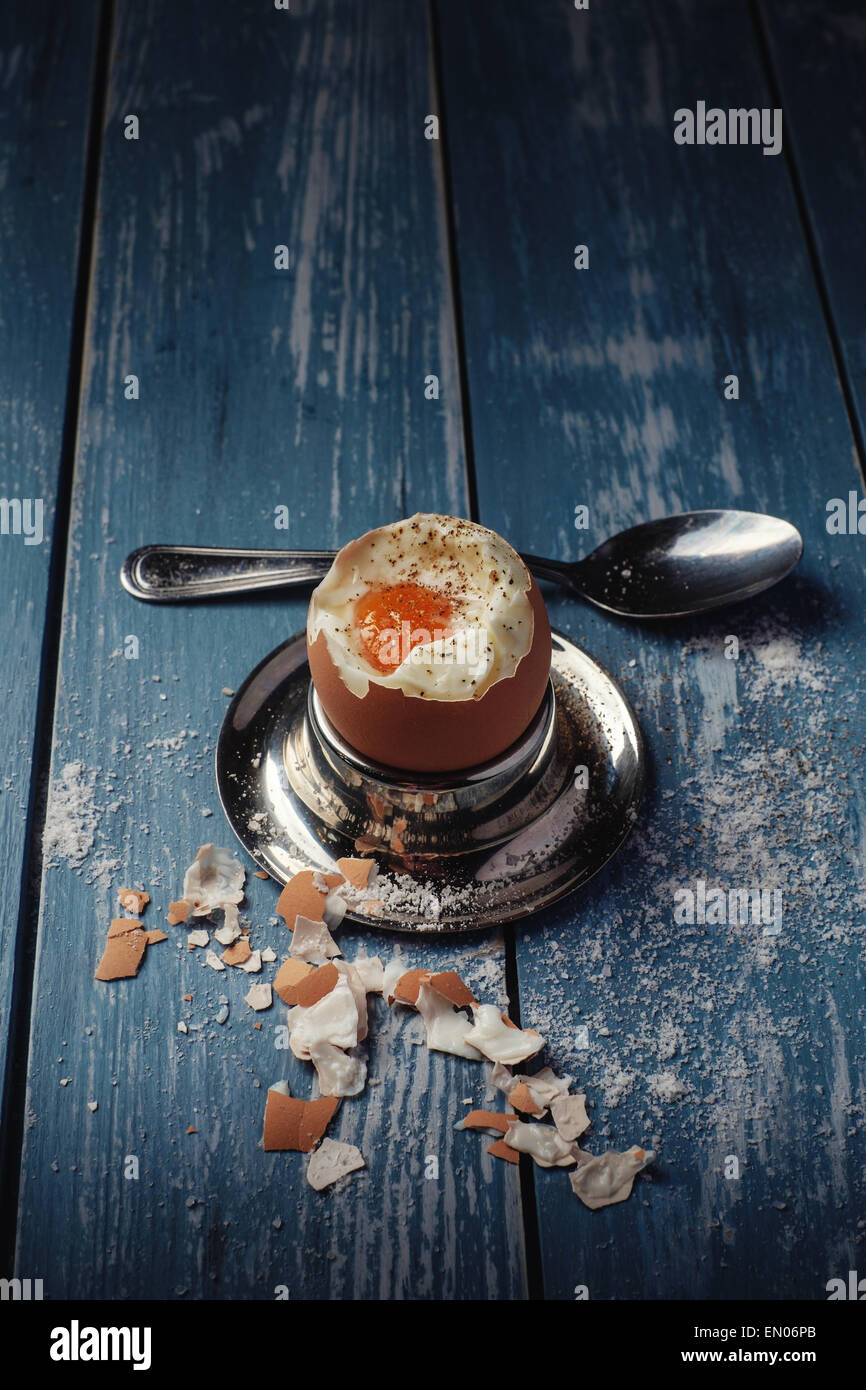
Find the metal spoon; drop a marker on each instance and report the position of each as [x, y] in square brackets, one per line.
[661, 569]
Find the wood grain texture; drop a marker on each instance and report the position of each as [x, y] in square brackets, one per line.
[605, 387]
[818, 53]
[46, 59]
[258, 388]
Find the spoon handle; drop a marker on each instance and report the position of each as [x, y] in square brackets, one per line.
[562, 572]
[175, 573]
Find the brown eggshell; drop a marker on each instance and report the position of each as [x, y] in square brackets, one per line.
[502, 1150]
[124, 950]
[238, 953]
[133, 899]
[295, 1124]
[356, 871]
[289, 977]
[520, 1097]
[407, 987]
[301, 898]
[449, 984]
[488, 1119]
[419, 735]
[315, 986]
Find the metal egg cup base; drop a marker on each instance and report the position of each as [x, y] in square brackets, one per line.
[495, 842]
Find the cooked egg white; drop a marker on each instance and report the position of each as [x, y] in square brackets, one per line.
[483, 580]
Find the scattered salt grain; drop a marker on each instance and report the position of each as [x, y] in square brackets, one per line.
[72, 817]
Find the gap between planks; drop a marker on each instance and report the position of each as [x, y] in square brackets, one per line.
[809, 237]
[31, 872]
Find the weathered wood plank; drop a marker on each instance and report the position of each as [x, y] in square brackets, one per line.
[46, 59]
[818, 52]
[258, 387]
[609, 382]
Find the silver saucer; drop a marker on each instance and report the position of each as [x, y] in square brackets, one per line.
[476, 848]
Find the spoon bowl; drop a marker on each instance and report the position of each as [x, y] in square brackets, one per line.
[681, 564]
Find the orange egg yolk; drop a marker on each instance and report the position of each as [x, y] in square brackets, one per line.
[392, 619]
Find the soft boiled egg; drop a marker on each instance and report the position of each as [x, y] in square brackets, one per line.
[429, 644]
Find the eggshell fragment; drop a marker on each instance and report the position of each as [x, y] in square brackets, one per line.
[502, 1150]
[570, 1117]
[393, 971]
[499, 1041]
[371, 973]
[295, 1124]
[325, 882]
[154, 935]
[178, 912]
[133, 899]
[359, 993]
[521, 1098]
[238, 953]
[259, 996]
[333, 1019]
[331, 1161]
[316, 985]
[253, 964]
[449, 984]
[125, 946]
[197, 938]
[486, 1119]
[545, 1085]
[214, 961]
[227, 934]
[543, 1142]
[288, 977]
[311, 941]
[356, 871]
[334, 910]
[122, 926]
[301, 898]
[446, 1028]
[407, 987]
[213, 879]
[339, 1074]
[603, 1181]
[231, 921]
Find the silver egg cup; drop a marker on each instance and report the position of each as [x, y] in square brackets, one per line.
[492, 843]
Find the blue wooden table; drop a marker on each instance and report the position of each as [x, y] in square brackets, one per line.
[167, 374]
